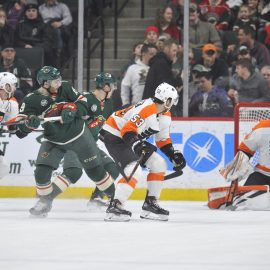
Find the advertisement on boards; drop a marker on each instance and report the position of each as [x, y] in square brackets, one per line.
[206, 144]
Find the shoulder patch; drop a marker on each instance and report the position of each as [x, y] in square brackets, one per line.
[43, 102]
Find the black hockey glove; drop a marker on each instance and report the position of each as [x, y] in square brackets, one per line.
[176, 157]
[178, 160]
[68, 112]
[145, 148]
[32, 122]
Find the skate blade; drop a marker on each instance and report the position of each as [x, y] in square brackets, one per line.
[116, 218]
[38, 216]
[152, 216]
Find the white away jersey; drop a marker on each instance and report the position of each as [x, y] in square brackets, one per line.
[143, 120]
[8, 109]
[259, 140]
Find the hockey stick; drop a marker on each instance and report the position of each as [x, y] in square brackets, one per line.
[23, 121]
[231, 194]
[173, 175]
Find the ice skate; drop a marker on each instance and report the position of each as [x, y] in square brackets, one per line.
[41, 208]
[115, 212]
[97, 201]
[151, 210]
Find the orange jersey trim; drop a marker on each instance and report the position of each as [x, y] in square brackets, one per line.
[134, 123]
[160, 144]
[244, 148]
[263, 168]
[111, 122]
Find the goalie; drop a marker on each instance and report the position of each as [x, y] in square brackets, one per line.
[8, 109]
[254, 194]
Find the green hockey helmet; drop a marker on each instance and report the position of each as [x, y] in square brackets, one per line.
[48, 74]
[104, 78]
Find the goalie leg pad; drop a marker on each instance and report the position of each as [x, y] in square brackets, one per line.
[247, 197]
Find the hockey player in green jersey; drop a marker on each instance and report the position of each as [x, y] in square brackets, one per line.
[58, 98]
[100, 107]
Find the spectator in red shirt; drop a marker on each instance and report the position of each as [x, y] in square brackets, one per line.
[166, 24]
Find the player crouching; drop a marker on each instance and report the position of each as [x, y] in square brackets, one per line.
[125, 134]
[254, 195]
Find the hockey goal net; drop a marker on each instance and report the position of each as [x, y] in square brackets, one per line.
[246, 116]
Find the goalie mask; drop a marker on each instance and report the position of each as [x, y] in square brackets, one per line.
[167, 94]
[8, 83]
[48, 74]
[103, 79]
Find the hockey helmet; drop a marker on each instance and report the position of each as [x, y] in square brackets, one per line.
[48, 74]
[104, 78]
[166, 91]
[8, 83]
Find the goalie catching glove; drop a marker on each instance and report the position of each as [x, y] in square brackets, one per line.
[68, 112]
[238, 169]
[175, 156]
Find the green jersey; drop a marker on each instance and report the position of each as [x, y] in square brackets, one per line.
[98, 112]
[44, 104]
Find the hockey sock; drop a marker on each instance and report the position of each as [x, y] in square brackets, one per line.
[154, 184]
[124, 189]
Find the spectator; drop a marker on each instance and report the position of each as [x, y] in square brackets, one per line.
[244, 18]
[216, 12]
[133, 83]
[161, 69]
[201, 33]
[265, 71]
[151, 35]
[6, 31]
[58, 16]
[254, 8]
[166, 24]
[246, 36]
[136, 55]
[33, 32]
[210, 59]
[209, 100]
[17, 66]
[244, 52]
[249, 84]
[193, 86]
[15, 12]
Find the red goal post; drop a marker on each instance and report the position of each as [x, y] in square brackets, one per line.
[246, 116]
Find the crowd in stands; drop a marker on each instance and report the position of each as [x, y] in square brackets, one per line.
[228, 58]
[46, 24]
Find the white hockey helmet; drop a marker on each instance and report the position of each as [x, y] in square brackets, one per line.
[166, 91]
[8, 83]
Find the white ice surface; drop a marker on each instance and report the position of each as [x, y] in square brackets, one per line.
[72, 238]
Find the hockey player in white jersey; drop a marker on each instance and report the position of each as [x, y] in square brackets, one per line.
[254, 194]
[8, 109]
[125, 133]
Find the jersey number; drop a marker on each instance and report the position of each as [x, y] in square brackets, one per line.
[137, 120]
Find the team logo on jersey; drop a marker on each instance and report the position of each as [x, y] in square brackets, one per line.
[203, 152]
[94, 108]
[44, 102]
[44, 154]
